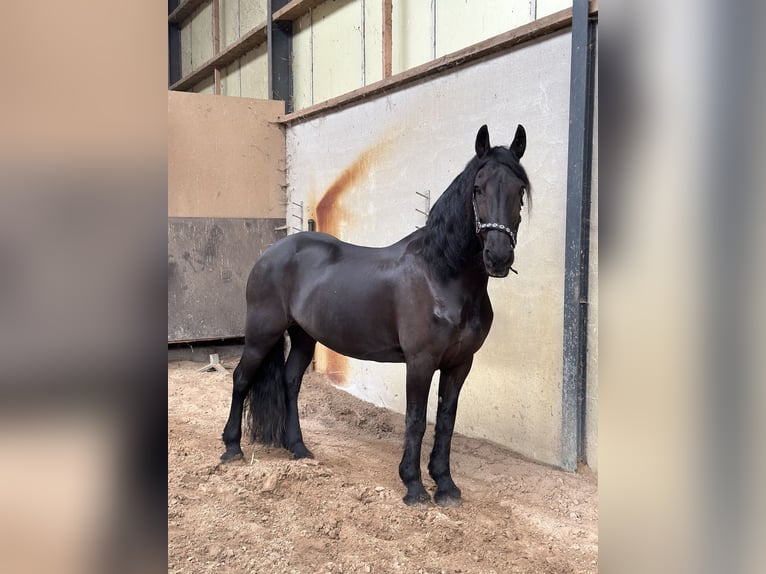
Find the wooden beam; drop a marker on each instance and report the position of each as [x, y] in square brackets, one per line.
[253, 38]
[295, 9]
[387, 49]
[217, 45]
[502, 42]
[216, 27]
[184, 10]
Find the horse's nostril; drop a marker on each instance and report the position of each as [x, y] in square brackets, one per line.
[495, 260]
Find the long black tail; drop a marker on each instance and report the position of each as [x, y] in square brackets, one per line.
[266, 403]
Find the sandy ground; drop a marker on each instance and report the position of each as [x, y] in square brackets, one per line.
[342, 511]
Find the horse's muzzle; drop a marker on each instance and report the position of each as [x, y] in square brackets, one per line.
[498, 265]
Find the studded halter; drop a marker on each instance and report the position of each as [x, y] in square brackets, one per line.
[499, 226]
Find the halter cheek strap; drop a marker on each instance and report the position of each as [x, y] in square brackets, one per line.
[499, 226]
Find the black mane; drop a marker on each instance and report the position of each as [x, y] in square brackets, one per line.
[450, 243]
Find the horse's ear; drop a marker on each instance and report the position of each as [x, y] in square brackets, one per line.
[482, 141]
[519, 141]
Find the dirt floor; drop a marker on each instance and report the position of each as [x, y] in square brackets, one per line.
[342, 511]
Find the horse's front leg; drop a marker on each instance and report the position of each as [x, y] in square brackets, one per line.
[450, 382]
[418, 383]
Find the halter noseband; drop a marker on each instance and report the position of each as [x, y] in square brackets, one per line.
[499, 226]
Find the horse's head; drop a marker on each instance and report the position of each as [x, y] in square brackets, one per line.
[498, 195]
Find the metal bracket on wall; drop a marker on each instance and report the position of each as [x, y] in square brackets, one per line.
[427, 197]
[298, 217]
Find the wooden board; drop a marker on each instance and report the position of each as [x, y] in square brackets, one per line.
[226, 157]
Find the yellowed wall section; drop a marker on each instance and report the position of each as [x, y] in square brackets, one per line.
[460, 23]
[548, 7]
[225, 157]
[302, 78]
[337, 48]
[186, 59]
[338, 45]
[206, 86]
[231, 80]
[251, 14]
[202, 35]
[373, 41]
[237, 17]
[254, 70]
[410, 34]
[229, 21]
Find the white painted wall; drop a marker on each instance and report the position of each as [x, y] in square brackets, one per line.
[418, 139]
[591, 394]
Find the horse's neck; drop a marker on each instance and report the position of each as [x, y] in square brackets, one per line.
[475, 279]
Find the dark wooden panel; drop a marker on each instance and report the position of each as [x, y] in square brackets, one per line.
[209, 260]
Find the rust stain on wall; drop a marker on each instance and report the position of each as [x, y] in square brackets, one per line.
[330, 214]
[336, 367]
[329, 211]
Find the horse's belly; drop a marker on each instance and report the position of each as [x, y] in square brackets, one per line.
[360, 347]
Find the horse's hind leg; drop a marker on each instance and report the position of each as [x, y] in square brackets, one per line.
[244, 376]
[301, 352]
[450, 382]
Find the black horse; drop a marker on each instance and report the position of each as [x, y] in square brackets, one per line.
[422, 301]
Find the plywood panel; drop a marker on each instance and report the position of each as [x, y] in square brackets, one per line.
[460, 23]
[412, 43]
[337, 48]
[435, 121]
[225, 157]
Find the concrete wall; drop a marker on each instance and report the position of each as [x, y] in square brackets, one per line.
[358, 170]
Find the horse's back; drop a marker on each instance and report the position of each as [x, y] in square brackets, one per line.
[333, 289]
[304, 254]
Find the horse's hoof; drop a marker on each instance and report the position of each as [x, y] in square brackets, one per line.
[448, 499]
[232, 454]
[419, 500]
[300, 451]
